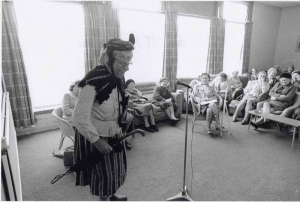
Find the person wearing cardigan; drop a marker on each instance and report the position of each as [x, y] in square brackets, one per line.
[69, 101]
[280, 98]
[163, 98]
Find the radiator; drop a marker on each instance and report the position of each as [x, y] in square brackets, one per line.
[11, 189]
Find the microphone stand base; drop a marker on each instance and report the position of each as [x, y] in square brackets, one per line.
[182, 196]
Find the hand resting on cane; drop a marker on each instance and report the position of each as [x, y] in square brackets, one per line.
[103, 146]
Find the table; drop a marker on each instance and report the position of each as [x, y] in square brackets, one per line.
[280, 119]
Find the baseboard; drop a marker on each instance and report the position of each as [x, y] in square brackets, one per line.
[32, 130]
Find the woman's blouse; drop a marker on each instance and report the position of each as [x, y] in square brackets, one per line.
[221, 85]
[134, 94]
[256, 87]
[236, 82]
[288, 91]
[68, 104]
[93, 120]
[200, 91]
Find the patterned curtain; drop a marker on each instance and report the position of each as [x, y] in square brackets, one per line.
[216, 46]
[247, 44]
[170, 50]
[101, 24]
[14, 70]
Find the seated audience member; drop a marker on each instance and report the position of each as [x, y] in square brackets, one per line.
[163, 98]
[280, 98]
[204, 92]
[296, 79]
[221, 85]
[252, 91]
[235, 81]
[69, 101]
[141, 106]
[272, 72]
[253, 75]
[290, 69]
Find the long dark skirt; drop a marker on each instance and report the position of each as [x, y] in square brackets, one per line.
[106, 177]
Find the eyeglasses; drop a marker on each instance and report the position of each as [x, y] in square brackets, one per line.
[123, 65]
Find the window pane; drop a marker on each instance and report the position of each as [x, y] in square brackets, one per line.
[236, 12]
[53, 48]
[193, 40]
[233, 50]
[148, 29]
[141, 5]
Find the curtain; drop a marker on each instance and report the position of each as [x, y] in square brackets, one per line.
[216, 46]
[14, 70]
[247, 44]
[101, 24]
[170, 49]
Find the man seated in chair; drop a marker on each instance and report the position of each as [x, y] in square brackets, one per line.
[207, 99]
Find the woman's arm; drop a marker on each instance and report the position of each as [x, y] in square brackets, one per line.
[66, 108]
[82, 114]
[156, 94]
[287, 97]
[272, 91]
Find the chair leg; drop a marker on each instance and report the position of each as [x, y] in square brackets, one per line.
[193, 122]
[61, 141]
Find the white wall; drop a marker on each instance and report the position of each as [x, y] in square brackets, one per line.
[289, 32]
[266, 20]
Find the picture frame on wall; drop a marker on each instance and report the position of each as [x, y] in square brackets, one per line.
[298, 45]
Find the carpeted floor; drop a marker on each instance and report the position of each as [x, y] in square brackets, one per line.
[242, 166]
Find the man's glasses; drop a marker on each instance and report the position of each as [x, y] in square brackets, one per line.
[124, 65]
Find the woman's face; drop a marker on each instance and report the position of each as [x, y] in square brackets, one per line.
[222, 79]
[262, 77]
[204, 79]
[272, 74]
[284, 81]
[164, 83]
[253, 71]
[131, 85]
[235, 74]
[76, 89]
[296, 77]
[122, 62]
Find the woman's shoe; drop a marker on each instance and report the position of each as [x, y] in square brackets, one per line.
[245, 122]
[174, 121]
[149, 129]
[234, 119]
[154, 127]
[209, 132]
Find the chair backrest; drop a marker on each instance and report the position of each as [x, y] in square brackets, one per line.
[65, 127]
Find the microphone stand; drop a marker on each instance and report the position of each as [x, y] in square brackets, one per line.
[183, 195]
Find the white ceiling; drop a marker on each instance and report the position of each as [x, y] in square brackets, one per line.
[282, 4]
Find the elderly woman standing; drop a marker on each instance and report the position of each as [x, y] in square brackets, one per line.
[141, 106]
[222, 85]
[98, 118]
[252, 91]
[163, 98]
[235, 81]
[204, 92]
[280, 97]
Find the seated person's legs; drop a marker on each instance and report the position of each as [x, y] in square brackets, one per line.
[247, 115]
[239, 108]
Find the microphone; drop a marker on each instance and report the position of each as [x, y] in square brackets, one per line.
[183, 84]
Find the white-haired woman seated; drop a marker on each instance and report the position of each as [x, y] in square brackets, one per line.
[203, 92]
[163, 98]
[235, 81]
[252, 91]
[280, 98]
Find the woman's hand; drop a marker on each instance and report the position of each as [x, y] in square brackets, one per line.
[273, 98]
[143, 101]
[206, 99]
[103, 146]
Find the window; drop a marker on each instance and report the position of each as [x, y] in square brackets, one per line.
[148, 29]
[235, 15]
[139, 5]
[193, 41]
[53, 48]
[236, 12]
